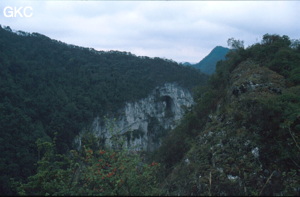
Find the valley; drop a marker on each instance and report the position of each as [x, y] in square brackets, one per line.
[77, 121]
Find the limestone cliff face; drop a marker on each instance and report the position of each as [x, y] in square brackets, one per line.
[145, 121]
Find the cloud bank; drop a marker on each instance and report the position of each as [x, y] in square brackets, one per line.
[177, 30]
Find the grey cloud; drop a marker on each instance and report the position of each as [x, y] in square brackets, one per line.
[178, 30]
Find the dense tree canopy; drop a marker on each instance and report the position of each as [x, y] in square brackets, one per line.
[49, 87]
[240, 138]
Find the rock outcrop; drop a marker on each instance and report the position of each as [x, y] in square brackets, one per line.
[145, 121]
[233, 149]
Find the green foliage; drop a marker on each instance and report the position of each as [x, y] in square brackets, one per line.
[53, 174]
[235, 44]
[100, 172]
[283, 124]
[180, 140]
[243, 144]
[47, 86]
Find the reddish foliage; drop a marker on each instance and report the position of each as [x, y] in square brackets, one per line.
[153, 163]
[102, 152]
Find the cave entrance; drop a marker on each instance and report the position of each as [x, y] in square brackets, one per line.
[170, 106]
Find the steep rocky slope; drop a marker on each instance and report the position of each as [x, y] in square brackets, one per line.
[226, 158]
[242, 136]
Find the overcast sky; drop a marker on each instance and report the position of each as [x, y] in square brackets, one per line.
[177, 30]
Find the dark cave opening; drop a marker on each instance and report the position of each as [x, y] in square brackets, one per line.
[170, 106]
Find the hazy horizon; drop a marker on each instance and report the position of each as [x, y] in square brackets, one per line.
[184, 31]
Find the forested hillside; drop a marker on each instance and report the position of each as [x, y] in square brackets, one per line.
[52, 90]
[243, 136]
[240, 138]
[208, 64]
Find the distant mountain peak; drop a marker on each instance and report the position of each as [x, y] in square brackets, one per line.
[208, 64]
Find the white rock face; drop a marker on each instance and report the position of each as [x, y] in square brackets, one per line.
[255, 152]
[145, 121]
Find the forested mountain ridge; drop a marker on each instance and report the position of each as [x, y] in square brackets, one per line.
[50, 89]
[208, 63]
[242, 136]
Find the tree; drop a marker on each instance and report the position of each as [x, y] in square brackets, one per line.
[269, 39]
[235, 44]
[295, 44]
[89, 171]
